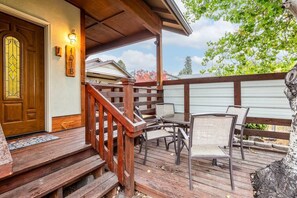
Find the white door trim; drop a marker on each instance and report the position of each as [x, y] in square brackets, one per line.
[47, 55]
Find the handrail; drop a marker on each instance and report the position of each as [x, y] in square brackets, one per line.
[132, 127]
[127, 127]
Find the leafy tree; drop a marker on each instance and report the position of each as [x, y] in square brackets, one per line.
[145, 75]
[187, 67]
[122, 65]
[264, 42]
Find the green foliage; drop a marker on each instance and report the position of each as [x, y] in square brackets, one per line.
[122, 65]
[265, 41]
[187, 67]
[256, 126]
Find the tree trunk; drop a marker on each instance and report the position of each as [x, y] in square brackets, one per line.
[279, 178]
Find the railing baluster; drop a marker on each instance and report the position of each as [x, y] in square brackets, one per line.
[101, 131]
[87, 116]
[110, 140]
[120, 154]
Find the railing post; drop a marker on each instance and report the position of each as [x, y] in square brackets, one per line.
[187, 99]
[129, 141]
[87, 117]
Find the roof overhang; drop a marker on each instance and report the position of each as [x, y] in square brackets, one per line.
[111, 24]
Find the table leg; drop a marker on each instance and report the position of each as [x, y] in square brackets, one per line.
[178, 148]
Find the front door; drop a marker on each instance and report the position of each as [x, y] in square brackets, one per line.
[22, 76]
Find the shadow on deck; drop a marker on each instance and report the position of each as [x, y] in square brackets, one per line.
[160, 177]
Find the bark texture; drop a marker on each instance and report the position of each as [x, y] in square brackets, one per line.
[275, 181]
[279, 179]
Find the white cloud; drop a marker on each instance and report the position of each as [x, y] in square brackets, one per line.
[133, 59]
[204, 31]
[138, 60]
[196, 60]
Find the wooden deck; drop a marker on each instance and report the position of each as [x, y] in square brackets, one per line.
[32, 162]
[29, 157]
[160, 177]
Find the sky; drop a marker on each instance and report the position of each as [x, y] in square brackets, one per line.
[176, 47]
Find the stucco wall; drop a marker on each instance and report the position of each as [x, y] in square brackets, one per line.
[63, 17]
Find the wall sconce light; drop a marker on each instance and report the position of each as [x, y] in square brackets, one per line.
[72, 37]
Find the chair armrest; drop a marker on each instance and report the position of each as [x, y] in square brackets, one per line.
[157, 126]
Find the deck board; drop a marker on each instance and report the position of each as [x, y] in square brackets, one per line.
[32, 156]
[161, 173]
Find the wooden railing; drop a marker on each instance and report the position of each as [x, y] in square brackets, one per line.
[144, 97]
[128, 126]
[237, 82]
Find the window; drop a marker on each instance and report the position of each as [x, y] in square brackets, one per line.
[12, 67]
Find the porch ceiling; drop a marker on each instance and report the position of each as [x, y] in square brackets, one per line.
[114, 23]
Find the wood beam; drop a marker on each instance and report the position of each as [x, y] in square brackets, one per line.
[82, 64]
[159, 62]
[170, 21]
[160, 10]
[138, 37]
[142, 13]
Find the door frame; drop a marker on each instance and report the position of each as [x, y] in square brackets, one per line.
[47, 56]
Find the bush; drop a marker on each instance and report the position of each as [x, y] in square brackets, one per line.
[256, 126]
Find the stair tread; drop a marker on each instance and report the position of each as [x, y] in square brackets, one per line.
[98, 188]
[53, 181]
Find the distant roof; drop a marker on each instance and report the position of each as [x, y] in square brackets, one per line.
[96, 67]
[196, 76]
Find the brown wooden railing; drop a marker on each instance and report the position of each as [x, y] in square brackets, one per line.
[237, 81]
[128, 126]
[144, 97]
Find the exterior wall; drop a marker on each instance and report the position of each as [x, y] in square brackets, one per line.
[99, 80]
[64, 92]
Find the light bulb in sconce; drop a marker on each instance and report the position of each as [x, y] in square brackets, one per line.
[72, 37]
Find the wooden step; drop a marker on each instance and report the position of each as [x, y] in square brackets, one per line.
[31, 175]
[98, 188]
[56, 180]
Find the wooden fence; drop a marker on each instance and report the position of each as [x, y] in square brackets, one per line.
[263, 93]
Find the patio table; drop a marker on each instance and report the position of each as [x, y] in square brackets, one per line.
[182, 120]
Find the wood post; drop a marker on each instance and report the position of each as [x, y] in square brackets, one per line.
[87, 118]
[237, 93]
[129, 142]
[186, 99]
[82, 64]
[159, 62]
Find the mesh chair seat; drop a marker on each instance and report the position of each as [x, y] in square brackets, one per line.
[212, 151]
[156, 134]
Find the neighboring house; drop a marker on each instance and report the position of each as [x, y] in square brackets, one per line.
[98, 71]
[205, 75]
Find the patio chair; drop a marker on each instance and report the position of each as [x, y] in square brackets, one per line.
[241, 112]
[208, 135]
[153, 131]
[163, 109]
